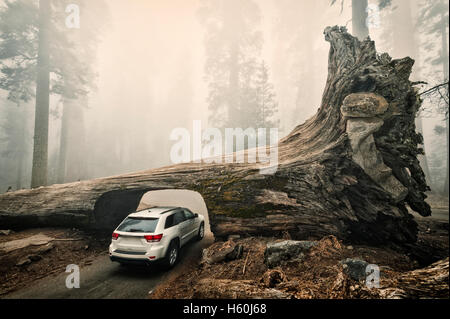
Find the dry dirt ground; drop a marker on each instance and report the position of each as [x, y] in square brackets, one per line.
[23, 261]
[319, 275]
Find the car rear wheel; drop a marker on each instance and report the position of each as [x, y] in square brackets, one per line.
[201, 232]
[172, 255]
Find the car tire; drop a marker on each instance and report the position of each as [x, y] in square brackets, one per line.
[201, 232]
[172, 255]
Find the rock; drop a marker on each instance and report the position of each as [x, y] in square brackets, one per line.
[355, 268]
[278, 253]
[350, 247]
[23, 262]
[364, 105]
[272, 278]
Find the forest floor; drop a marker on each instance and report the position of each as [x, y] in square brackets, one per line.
[29, 255]
[318, 275]
[32, 255]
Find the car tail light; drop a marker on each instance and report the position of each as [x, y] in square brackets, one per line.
[115, 236]
[153, 238]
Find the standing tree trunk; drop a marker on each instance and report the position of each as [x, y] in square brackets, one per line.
[359, 19]
[349, 171]
[21, 151]
[233, 87]
[40, 151]
[405, 44]
[62, 158]
[76, 141]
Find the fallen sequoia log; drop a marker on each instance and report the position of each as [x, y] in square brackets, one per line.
[349, 171]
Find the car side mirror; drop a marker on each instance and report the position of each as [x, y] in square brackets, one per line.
[195, 215]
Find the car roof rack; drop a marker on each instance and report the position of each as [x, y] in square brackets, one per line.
[169, 210]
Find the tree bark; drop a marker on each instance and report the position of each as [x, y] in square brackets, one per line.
[423, 158]
[71, 161]
[318, 188]
[40, 152]
[426, 283]
[62, 158]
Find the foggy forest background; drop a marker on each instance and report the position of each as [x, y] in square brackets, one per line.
[135, 70]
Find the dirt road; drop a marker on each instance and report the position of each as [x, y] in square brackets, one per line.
[106, 280]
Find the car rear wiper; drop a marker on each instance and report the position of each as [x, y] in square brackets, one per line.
[134, 230]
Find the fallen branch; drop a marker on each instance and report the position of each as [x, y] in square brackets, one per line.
[245, 263]
[434, 88]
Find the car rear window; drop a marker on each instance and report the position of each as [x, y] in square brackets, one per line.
[138, 225]
[169, 222]
[175, 219]
[178, 217]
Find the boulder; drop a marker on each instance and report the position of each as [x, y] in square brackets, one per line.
[362, 105]
[278, 253]
[355, 268]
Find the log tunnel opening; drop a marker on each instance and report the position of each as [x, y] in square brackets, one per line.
[112, 207]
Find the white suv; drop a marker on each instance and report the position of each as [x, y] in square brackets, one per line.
[155, 234]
